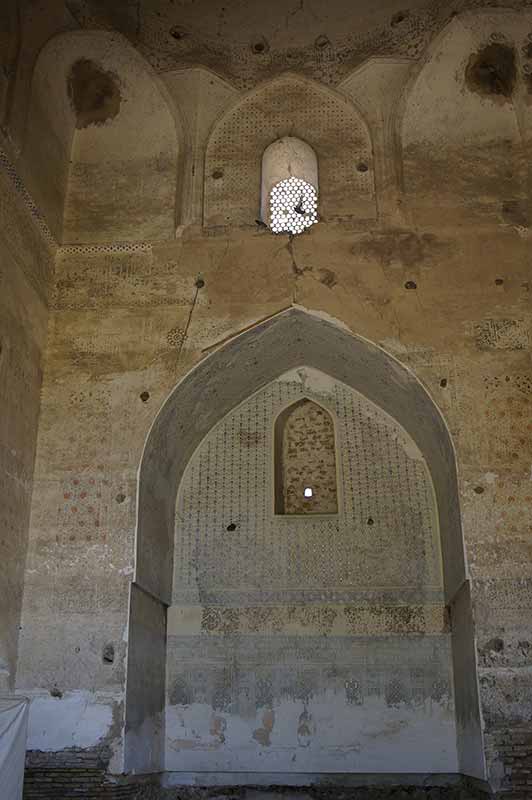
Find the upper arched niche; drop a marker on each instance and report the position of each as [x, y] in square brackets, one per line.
[101, 148]
[462, 120]
[295, 107]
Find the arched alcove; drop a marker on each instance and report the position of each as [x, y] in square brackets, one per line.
[305, 456]
[102, 146]
[462, 122]
[288, 106]
[198, 403]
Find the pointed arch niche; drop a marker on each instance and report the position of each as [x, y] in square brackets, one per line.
[203, 401]
[298, 108]
[304, 457]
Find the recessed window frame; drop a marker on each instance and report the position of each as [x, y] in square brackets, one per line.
[284, 158]
[273, 459]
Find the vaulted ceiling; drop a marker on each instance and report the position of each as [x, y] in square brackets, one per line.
[248, 40]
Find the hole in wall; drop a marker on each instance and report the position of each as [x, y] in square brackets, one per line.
[260, 47]
[370, 521]
[199, 283]
[362, 166]
[499, 281]
[108, 653]
[217, 174]
[398, 18]
[321, 42]
[231, 527]
[479, 489]
[443, 383]
[94, 93]
[492, 71]
[120, 497]
[410, 285]
[516, 212]
[178, 33]
[144, 396]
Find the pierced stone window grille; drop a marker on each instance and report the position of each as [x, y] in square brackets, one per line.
[305, 460]
[289, 194]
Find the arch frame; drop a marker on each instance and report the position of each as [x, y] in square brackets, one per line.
[215, 386]
[289, 127]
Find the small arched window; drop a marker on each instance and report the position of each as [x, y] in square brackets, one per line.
[289, 191]
[305, 460]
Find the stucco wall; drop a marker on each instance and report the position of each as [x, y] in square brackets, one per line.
[25, 271]
[119, 318]
[438, 275]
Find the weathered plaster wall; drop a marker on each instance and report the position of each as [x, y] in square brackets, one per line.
[26, 263]
[439, 279]
[145, 717]
[308, 643]
[232, 548]
[117, 349]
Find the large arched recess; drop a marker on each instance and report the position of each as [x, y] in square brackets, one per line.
[219, 383]
[108, 178]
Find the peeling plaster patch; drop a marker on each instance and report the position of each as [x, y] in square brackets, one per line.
[395, 346]
[217, 729]
[325, 317]
[411, 448]
[502, 334]
[262, 735]
[312, 380]
[327, 277]
[78, 719]
[94, 93]
[404, 248]
[221, 620]
[306, 729]
[181, 693]
[515, 212]
[491, 72]
[323, 731]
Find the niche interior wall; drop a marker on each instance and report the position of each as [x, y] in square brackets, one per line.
[291, 340]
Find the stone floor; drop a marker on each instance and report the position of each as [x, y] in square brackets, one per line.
[323, 793]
